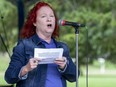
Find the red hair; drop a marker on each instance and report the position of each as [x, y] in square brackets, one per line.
[29, 29]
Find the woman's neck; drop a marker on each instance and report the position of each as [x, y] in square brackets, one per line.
[47, 38]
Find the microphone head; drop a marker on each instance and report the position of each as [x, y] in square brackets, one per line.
[74, 24]
[61, 22]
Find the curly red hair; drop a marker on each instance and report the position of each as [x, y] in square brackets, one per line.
[29, 29]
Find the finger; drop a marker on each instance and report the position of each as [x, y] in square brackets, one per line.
[60, 60]
[35, 62]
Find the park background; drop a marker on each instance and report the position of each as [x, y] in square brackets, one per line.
[97, 41]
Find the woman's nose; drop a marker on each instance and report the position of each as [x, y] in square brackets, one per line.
[49, 19]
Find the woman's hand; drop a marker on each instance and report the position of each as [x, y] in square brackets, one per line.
[61, 62]
[32, 64]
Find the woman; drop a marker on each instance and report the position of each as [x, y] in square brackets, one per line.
[40, 31]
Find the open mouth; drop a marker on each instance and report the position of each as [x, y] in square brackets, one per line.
[49, 25]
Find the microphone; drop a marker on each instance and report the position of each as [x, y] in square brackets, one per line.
[74, 24]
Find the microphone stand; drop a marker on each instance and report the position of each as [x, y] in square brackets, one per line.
[77, 33]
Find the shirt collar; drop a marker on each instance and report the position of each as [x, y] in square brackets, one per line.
[38, 41]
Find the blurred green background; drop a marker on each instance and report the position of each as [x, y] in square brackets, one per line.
[97, 41]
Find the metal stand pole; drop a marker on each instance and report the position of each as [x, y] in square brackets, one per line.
[77, 33]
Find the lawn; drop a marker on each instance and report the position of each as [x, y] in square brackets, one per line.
[93, 81]
[96, 81]
[95, 78]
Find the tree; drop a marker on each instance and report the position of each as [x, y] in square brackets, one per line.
[99, 17]
[8, 25]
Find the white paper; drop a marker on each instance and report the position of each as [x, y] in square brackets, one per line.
[48, 55]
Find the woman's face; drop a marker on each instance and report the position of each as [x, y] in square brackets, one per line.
[45, 21]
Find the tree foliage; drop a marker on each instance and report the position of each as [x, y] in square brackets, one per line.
[96, 40]
[8, 25]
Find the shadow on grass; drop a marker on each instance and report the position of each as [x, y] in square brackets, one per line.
[6, 85]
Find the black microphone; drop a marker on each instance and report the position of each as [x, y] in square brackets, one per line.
[74, 24]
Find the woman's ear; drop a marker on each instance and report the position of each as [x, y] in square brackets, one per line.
[34, 24]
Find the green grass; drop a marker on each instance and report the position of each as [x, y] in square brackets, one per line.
[4, 61]
[102, 81]
[93, 81]
[96, 79]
